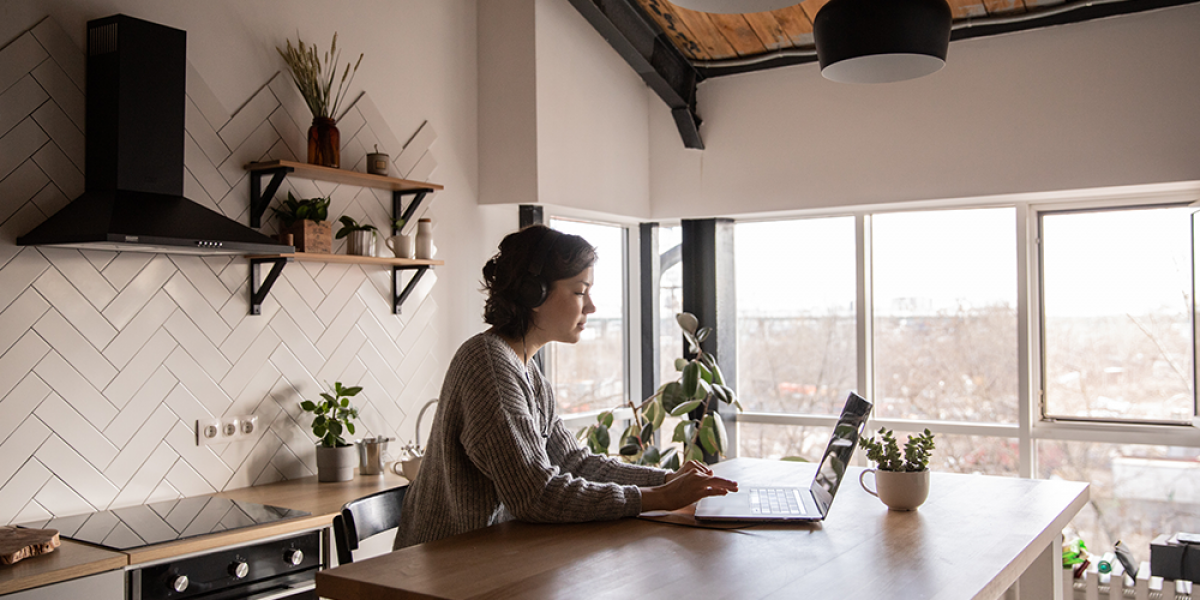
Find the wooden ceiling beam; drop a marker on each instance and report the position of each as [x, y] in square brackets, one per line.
[638, 40]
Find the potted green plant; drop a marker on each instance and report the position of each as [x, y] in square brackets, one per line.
[700, 429]
[314, 77]
[306, 221]
[901, 479]
[333, 415]
[361, 240]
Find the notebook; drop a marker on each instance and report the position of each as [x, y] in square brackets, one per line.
[786, 503]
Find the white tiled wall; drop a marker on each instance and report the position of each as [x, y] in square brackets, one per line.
[107, 359]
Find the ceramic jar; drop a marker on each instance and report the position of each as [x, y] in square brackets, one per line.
[425, 247]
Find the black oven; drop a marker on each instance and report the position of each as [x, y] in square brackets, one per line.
[273, 569]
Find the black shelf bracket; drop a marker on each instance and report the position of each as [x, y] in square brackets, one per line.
[260, 198]
[398, 299]
[258, 292]
[407, 213]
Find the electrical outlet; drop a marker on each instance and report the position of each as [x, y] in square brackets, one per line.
[231, 429]
[208, 431]
[249, 425]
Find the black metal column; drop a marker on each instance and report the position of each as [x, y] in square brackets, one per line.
[649, 307]
[531, 214]
[708, 293]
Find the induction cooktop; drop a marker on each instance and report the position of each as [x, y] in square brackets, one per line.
[147, 524]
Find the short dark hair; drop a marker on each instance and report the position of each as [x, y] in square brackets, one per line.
[505, 274]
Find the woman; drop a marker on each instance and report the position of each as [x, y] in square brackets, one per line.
[498, 451]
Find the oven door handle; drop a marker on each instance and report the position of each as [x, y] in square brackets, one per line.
[277, 593]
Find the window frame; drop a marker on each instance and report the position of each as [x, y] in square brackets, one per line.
[1031, 425]
[630, 318]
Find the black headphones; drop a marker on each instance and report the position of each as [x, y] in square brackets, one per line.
[532, 289]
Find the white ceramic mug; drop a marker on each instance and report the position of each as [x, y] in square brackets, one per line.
[899, 490]
[407, 468]
[402, 246]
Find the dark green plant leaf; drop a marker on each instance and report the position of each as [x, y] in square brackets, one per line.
[350, 428]
[685, 408]
[673, 396]
[308, 405]
[691, 377]
[654, 413]
[703, 389]
[352, 391]
[703, 333]
[647, 434]
[673, 462]
[708, 437]
[705, 373]
[719, 429]
[695, 453]
[335, 428]
[606, 418]
[327, 397]
[718, 377]
[345, 402]
[666, 457]
[630, 450]
[650, 455]
[601, 438]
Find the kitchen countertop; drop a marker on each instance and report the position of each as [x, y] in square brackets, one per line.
[323, 500]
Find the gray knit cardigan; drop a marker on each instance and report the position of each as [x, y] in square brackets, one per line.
[499, 452]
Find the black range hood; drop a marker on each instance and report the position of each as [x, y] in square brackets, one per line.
[136, 77]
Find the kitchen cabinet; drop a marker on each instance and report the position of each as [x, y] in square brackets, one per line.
[109, 585]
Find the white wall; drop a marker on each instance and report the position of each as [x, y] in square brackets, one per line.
[107, 359]
[549, 82]
[1102, 103]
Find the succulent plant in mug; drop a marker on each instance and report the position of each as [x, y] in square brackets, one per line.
[885, 451]
[350, 225]
[700, 429]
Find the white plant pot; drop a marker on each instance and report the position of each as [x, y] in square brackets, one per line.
[899, 490]
[336, 464]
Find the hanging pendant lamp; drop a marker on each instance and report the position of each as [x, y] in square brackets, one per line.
[881, 41]
[733, 7]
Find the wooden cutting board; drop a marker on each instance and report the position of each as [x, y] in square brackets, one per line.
[16, 544]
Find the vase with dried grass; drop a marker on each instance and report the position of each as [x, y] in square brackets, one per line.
[313, 74]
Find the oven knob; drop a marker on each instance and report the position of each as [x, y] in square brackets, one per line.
[180, 584]
[239, 569]
[295, 557]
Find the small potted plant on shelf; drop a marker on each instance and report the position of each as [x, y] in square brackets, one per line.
[361, 236]
[314, 78]
[305, 220]
[700, 429]
[333, 415]
[901, 479]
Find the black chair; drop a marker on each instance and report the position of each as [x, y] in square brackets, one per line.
[365, 517]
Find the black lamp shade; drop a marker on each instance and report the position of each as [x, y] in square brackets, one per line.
[880, 41]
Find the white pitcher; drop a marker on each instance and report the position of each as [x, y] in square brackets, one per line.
[402, 245]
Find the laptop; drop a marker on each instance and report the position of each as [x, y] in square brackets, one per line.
[785, 503]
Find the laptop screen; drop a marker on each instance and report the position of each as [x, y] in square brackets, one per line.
[840, 450]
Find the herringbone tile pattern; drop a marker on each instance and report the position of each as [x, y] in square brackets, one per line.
[107, 359]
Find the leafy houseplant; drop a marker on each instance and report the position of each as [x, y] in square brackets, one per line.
[314, 75]
[362, 236]
[333, 416]
[306, 220]
[901, 479]
[885, 451]
[690, 398]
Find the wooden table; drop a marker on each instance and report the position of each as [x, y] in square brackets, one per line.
[975, 537]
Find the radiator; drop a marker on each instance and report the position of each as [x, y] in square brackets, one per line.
[1116, 585]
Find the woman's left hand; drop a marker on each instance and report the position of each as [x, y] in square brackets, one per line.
[691, 466]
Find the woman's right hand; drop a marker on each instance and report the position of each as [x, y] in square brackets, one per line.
[685, 487]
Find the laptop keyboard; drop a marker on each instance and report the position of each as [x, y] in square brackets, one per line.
[775, 501]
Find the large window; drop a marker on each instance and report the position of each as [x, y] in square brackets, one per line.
[590, 375]
[1098, 388]
[1116, 307]
[945, 291]
[796, 317]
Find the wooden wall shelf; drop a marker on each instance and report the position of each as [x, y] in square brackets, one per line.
[261, 197]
